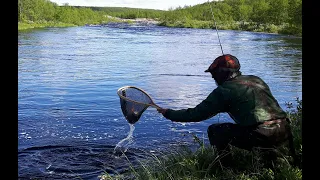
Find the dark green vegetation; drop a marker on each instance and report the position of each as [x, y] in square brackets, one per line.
[204, 163]
[130, 13]
[43, 13]
[273, 16]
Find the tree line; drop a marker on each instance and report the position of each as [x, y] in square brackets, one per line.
[131, 13]
[230, 14]
[241, 14]
[260, 11]
[46, 11]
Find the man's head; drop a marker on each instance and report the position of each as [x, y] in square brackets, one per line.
[224, 67]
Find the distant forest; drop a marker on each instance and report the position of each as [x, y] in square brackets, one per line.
[279, 16]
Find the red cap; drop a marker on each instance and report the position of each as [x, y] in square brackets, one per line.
[227, 62]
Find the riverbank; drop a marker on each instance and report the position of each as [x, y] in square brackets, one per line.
[32, 25]
[243, 26]
[27, 25]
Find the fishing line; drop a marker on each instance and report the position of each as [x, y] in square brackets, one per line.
[215, 26]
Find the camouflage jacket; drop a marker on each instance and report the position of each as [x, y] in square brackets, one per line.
[246, 98]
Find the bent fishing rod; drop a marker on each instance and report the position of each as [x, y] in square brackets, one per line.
[215, 26]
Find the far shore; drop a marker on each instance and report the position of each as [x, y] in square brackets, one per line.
[143, 21]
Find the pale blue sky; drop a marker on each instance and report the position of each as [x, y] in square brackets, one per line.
[145, 4]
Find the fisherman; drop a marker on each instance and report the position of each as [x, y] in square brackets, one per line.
[259, 120]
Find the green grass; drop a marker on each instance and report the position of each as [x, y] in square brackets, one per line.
[27, 25]
[33, 25]
[204, 163]
[243, 26]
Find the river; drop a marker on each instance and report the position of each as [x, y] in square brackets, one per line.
[69, 114]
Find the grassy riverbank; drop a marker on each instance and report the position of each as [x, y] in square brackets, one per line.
[205, 164]
[33, 25]
[242, 26]
[25, 25]
[253, 27]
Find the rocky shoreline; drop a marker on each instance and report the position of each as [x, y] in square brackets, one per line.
[145, 21]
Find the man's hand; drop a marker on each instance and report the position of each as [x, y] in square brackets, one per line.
[162, 111]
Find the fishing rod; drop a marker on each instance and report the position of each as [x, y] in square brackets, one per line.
[218, 38]
[215, 26]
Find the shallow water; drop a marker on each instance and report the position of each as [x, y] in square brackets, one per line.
[69, 114]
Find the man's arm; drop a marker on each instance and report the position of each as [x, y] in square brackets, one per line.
[212, 105]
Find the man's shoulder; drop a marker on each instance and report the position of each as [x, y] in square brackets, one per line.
[250, 76]
[240, 81]
[254, 78]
